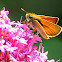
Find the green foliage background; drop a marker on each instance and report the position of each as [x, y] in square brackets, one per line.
[42, 7]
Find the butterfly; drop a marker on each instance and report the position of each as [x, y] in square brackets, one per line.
[45, 25]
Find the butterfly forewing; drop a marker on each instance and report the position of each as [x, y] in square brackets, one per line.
[51, 19]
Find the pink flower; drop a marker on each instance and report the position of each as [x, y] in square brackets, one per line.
[4, 15]
[52, 60]
[36, 56]
[17, 43]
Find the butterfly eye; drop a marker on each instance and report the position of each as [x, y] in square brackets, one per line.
[30, 16]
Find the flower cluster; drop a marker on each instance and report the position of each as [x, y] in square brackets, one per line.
[17, 43]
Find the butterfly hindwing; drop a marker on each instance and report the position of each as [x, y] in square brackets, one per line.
[50, 28]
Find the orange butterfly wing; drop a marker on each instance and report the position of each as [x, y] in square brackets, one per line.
[47, 29]
[40, 29]
[51, 19]
[50, 28]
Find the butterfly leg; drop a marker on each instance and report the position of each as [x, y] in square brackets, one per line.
[34, 30]
[24, 21]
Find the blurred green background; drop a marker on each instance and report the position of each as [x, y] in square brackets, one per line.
[42, 7]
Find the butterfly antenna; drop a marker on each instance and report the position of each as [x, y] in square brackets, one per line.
[24, 10]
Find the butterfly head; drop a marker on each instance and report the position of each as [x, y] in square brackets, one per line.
[32, 16]
[29, 16]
